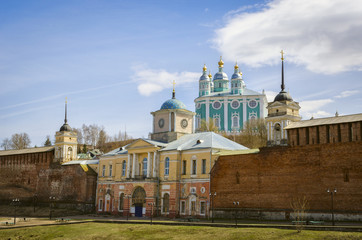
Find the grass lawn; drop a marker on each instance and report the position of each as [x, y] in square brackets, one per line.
[133, 231]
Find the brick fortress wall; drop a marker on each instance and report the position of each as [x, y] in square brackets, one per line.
[24, 176]
[269, 180]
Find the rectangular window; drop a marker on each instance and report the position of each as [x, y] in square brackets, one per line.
[183, 207]
[124, 168]
[100, 205]
[184, 167]
[203, 166]
[194, 167]
[120, 202]
[104, 170]
[193, 207]
[202, 207]
[110, 170]
[167, 166]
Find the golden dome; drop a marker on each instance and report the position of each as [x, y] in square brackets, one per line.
[210, 76]
[236, 65]
[204, 68]
[221, 63]
[241, 74]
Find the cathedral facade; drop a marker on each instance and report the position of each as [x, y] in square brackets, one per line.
[228, 108]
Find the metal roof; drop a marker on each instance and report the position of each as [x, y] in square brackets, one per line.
[26, 150]
[203, 140]
[325, 121]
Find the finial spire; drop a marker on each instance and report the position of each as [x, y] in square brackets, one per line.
[236, 65]
[66, 102]
[204, 68]
[282, 86]
[173, 91]
[210, 76]
[221, 63]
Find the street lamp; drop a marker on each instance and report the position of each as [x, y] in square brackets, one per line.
[15, 202]
[151, 204]
[51, 199]
[332, 192]
[212, 195]
[236, 212]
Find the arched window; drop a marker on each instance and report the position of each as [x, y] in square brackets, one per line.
[167, 166]
[124, 168]
[70, 153]
[144, 167]
[165, 203]
[172, 122]
[235, 121]
[120, 202]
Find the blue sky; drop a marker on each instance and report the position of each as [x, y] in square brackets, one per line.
[115, 60]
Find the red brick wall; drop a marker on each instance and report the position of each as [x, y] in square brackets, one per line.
[272, 178]
[26, 175]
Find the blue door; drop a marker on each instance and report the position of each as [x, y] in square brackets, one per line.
[138, 210]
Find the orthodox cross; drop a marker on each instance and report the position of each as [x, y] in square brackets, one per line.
[282, 52]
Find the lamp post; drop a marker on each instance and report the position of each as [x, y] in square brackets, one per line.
[212, 195]
[332, 192]
[151, 204]
[236, 204]
[15, 202]
[51, 199]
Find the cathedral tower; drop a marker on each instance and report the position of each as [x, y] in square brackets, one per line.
[204, 83]
[237, 83]
[172, 121]
[65, 142]
[221, 80]
[281, 112]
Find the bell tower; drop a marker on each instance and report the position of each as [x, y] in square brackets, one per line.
[65, 142]
[281, 112]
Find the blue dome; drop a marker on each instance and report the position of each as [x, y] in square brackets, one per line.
[173, 104]
[236, 76]
[204, 77]
[220, 75]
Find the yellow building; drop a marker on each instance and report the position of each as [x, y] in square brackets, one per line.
[168, 174]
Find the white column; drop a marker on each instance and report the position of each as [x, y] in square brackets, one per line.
[149, 164]
[244, 112]
[271, 131]
[169, 122]
[134, 165]
[128, 165]
[174, 122]
[207, 106]
[154, 169]
[226, 114]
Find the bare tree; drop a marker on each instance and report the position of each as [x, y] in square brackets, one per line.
[102, 138]
[79, 135]
[208, 126]
[20, 141]
[6, 144]
[300, 206]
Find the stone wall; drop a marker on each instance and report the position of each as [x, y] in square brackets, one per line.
[275, 177]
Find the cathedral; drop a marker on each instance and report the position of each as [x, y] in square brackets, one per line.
[228, 108]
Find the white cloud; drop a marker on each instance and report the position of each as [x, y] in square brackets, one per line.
[323, 35]
[270, 95]
[345, 94]
[152, 80]
[312, 108]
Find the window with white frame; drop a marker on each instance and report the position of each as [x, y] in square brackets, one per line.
[235, 120]
[120, 202]
[167, 166]
[252, 115]
[104, 170]
[183, 207]
[165, 203]
[203, 169]
[202, 208]
[124, 168]
[100, 205]
[184, 167]
[110, 170]
[144, 167]
[217, 120]
[193, 170]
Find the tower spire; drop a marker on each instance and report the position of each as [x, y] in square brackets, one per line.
[173, 91]
[282, 86]
[65, 119]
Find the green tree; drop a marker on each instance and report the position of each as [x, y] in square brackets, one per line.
[47, 142]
